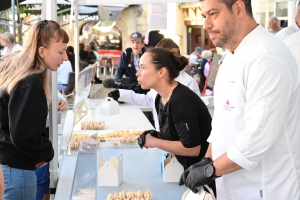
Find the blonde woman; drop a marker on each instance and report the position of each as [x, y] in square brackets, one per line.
[8, 41]
[24, 100]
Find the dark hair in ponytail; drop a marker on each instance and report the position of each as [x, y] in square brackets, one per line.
[173, 62]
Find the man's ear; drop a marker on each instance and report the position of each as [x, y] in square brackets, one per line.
[239, 8]
[41, 51]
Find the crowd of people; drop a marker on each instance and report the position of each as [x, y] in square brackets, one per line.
[248, 150]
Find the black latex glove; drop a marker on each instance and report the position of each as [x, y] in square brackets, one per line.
[194, 176]
[142, 138]
[115, 94]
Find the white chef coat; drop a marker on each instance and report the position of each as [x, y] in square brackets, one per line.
[284, 32]
[149, 98]
[257, 120]
[293, 43]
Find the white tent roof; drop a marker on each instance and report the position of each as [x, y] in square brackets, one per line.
[40, 1]
[102, 2]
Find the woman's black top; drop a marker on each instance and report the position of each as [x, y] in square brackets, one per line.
[185, 118]
[23, 116]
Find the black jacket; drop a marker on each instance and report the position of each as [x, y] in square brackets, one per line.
[22, 125]
[126, 65]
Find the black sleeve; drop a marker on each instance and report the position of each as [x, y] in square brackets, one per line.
[184, 117]
[121, 67]
[27, 115]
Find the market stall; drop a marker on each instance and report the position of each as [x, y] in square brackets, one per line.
[142, 168]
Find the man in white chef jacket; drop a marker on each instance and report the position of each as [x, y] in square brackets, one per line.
[254, 144]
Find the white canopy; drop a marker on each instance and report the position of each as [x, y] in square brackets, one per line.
[40, 2]
[101, 2]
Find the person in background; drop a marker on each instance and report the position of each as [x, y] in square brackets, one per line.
[204, 68]
[81, 39]
[130, 58]
[71, 56]
[94, 41]
[184, 120]
[8, 41]
[195, 57]
[206, 59]
[63, 75]
[95, 80]
[295, 27]
[152, 38]
[84, 56]
[149, 98]
[274, 25]
[254, 143]
[24, 100]
[92, 56]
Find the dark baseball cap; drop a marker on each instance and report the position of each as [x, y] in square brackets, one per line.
[136, 36]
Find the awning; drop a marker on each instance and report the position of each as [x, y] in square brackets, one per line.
[40, 2]
[115, 11]
[100, 2]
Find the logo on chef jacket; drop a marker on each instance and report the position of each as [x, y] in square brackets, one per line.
[228, 106]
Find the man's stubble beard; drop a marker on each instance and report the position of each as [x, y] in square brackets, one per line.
[228, 35]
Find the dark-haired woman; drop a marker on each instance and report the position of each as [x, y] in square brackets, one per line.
[184, 120]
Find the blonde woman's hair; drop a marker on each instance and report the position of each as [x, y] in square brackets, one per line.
[8, 37]
[19, 65]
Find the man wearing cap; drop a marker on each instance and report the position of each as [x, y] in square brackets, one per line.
[195, 55]
[130, 58]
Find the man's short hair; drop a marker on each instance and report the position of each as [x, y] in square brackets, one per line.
[274, 19]
[229, 4]
[136, 36]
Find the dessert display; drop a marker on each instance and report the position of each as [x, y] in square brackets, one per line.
[76, 139]
[137, 195]
[121, 134]
[92, 125]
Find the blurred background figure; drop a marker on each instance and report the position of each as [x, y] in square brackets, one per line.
[195, 57]
[63, 75]
[294, 28]
[204, 68]
[274, 25]
[81, 39]
[152, 38]
[205, 63]
[71, 56]
[8, 42]
[94, 41]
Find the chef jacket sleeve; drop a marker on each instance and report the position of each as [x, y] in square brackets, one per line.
[268, 89]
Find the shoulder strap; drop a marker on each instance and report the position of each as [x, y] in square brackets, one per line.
[156, 102]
